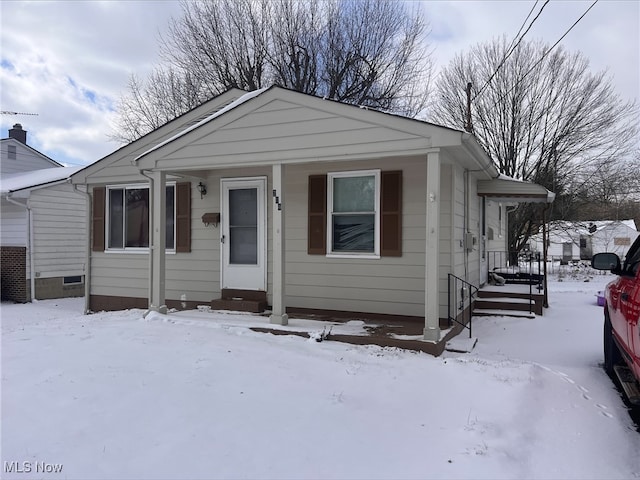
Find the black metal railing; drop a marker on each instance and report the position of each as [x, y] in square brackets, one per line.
[460, 297]
[524, 268]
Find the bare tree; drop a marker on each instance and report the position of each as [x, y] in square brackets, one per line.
[165, 95]
[541, 115]
[364, 52]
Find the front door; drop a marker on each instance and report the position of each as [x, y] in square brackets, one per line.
[243, 233]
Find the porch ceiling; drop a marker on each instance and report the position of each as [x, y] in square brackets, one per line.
[511, 190]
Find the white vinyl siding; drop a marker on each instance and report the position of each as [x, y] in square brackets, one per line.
[388, 285]
[391, 285]
[285, 131]
[59, 222]
[13, 231]
[26, 159]
[196, 275]
[308, 136]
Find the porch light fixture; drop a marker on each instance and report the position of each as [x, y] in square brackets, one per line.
[202, 188]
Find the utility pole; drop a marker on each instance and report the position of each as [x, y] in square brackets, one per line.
[468, 126]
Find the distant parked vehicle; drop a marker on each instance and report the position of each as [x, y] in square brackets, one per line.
[621, 318]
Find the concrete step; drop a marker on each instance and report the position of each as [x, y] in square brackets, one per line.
[239, 305]
[496, 312]
[504, 304]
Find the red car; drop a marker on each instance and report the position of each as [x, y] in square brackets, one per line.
[621, 315]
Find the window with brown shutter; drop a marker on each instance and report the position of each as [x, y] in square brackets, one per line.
[122, 228]
[98, 217]
[391, 214]
[183, 217]
[317, 224]
[390, 234]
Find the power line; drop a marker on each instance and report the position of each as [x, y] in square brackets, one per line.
[512, 48]
[544, 55]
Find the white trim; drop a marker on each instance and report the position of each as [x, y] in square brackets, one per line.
[226, 184]
[377, 233]
[367, 256]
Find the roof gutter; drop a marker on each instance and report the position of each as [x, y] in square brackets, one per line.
[472, 146]
[39, 186]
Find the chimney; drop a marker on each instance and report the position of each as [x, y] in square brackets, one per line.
[18, 133]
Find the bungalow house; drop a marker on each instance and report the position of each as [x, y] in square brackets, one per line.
[580, 240]
[42, 224]
[280, 198]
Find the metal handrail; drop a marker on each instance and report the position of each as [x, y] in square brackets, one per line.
[460, 295]
[526, 263]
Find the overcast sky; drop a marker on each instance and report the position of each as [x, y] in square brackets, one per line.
[69, 62]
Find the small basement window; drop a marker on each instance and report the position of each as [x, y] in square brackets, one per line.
[72, 280]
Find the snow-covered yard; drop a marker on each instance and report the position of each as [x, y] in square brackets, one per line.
[198, 395]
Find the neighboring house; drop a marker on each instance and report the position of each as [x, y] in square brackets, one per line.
[306, 204]
[580, 240]
[42, 230]
[18, 157]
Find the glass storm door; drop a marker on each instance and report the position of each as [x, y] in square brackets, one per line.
[243, 239]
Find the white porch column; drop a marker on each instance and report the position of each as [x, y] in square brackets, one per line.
[157, 241]
[278, 315]
[432, 250]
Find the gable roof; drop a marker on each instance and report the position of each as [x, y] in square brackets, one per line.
[250, 95]
[280, 125]
[141, 144]
[18, 143]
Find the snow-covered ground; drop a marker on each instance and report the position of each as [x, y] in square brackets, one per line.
[198, 395]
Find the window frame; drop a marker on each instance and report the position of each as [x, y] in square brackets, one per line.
[71, 280]
[107, 218]
[376, 173]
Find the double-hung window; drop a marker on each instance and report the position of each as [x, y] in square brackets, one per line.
[354, 214]
[128, 217]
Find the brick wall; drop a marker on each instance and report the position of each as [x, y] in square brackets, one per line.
[13, 272]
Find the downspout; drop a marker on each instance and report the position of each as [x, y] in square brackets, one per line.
[87, 261]
[466, 225]
[149, 281]
[30, 242]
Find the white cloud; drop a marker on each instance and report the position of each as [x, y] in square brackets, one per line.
[609, 35]
[72, 60]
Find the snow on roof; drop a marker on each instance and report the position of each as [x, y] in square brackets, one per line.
[567, 231]
[244, 98]
[21, 181]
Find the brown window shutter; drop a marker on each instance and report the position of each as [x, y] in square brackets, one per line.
[97, 220]
[317, 224]
[391, 214]
[183, 217]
